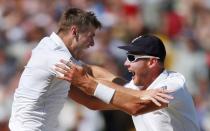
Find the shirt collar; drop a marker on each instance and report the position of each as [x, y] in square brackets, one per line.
[161, 77]
[58, 41]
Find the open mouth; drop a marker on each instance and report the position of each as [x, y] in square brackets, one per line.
[88, 46]
[132, 73]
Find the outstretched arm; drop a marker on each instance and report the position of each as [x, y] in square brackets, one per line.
[131, 101]
[103, 74]
[132, 105]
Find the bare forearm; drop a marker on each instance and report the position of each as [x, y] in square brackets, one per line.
[89, 85]
[120, 101]
[89, 101]
[132, 104]
[125, 99]
[128, 100]
[128, 91]
[103, 74]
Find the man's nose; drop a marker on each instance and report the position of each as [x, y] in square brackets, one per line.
[126, 63]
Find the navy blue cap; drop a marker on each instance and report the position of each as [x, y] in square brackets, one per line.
[147, 45]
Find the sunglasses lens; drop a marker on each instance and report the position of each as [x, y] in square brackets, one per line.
[131, 57]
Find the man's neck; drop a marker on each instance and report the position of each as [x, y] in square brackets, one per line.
[67, 40]
[151, 78]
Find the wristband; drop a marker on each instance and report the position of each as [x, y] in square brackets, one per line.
[104, 93]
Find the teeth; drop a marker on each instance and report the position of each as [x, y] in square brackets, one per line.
[132, 72]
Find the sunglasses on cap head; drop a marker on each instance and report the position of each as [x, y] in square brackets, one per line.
[133, 58]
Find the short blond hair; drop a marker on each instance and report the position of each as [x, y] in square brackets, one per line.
[79, 18]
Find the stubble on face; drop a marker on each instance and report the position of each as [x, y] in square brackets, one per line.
[141, 75]
[86, 39]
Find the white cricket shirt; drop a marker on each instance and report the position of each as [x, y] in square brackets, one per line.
[40, 95]
[180, 114]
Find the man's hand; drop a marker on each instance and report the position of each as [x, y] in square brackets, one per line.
[77, 76]
[69, 69]
[157, 96]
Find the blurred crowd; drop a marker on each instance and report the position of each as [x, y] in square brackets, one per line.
[183, 25]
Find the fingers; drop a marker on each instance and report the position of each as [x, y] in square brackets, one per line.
[63, 74]
[161, 99]
[167, 91]
[155, 101]
[65, 78]
[68, 63]
[64, 61]
[164, 90]
[58, 73]
[158, 96]
[165, 95]
[61, 70]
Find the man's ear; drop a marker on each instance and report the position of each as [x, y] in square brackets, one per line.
[74, 32]
[152, 62]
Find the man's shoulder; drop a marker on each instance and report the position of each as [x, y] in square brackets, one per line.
[47, 54]
[171, 80]
[175, 77]
[46, 44]
[48, 48]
